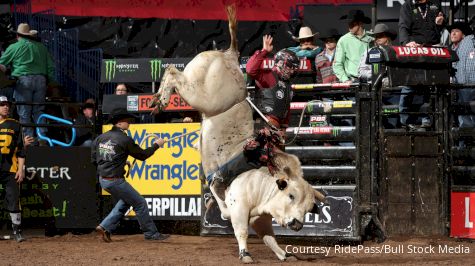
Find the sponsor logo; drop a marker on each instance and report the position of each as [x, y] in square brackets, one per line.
[132, 103]
[110, 69]
[155, 69]
[106, 150]
[54, 172]
[404, 51]
[279, 94]
[342, 104]
[172, 207]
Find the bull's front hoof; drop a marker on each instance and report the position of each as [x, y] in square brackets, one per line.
[290, 257]
[245, 257]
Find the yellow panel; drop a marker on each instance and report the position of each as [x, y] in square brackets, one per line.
[173, 169]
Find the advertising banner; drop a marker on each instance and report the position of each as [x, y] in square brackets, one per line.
[169, 180]
[462, 222]
[138, 69]
[59, 188]
[335, 219]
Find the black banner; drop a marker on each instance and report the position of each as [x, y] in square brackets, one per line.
[138, 69]
[59, 188]
[336, 219]
[389, 9]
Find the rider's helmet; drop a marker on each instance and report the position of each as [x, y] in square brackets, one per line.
[286, 63]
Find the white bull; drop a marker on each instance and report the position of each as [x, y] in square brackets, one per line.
[213, 84]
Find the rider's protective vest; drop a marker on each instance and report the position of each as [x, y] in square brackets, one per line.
[275, 101]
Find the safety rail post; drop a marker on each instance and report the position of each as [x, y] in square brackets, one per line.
[44, 23]
[66, 59]
[89, 74]
[22, 12]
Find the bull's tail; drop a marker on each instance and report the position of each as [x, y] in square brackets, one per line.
[231, 10]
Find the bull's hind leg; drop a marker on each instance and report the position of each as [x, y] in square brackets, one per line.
[240, 222]
[263, 227]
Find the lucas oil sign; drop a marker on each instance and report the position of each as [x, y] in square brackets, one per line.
[169, 179]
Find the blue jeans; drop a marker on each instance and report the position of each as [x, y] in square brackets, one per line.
[406, 102]
[127, 196]
[30, 88]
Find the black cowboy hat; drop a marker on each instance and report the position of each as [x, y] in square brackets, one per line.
[88, 105]
[330, 33]
[119, 114]
[383, 28]
[462, 26]
[356, 15]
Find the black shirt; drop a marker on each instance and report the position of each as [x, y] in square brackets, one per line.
[111, 149]
[417, 23]
[11, 145]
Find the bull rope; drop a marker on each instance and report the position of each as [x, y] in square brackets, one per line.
[147, 136]
[273, 127]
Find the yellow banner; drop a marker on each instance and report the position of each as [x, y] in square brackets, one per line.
[342, 104]
[173, 169]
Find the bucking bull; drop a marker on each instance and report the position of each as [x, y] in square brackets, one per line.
[213, 84]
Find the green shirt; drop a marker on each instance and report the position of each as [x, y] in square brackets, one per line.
[349, 50]
[28, 58]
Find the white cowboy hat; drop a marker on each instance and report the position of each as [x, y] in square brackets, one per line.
[24, 29]
[304, 33]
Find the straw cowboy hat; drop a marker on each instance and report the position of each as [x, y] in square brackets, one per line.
[118, 114]
[383, 28]
[356, 15]
[304, 33]
[24, 29]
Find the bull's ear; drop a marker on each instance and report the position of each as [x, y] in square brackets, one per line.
[281, 184]
[315, 209]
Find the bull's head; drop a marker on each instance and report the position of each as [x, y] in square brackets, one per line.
[295, 196]
[167, 86]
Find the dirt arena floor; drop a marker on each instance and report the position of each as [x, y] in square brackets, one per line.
[87, 249]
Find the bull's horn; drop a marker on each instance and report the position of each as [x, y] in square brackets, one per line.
[320, 197]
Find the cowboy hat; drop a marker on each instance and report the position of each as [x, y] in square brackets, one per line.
[356, 15]
[462, 26]
[24, 30]
[330, 33]
[4, 99]
[304, 33]
[118, 114]
[383, 28]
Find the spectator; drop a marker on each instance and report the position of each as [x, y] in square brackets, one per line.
[420, 24]
[121, 89]
[324, 60]
[307, 47]
[383, 36]
[33, 68]
[463, 43]
[351, 47]
[85, 135]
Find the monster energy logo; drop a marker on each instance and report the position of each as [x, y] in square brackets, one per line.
[375, 68]
[336, 131]
[155, 68]
[110, 69]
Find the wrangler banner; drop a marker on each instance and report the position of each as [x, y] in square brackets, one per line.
[138, 69]
[169, 179]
